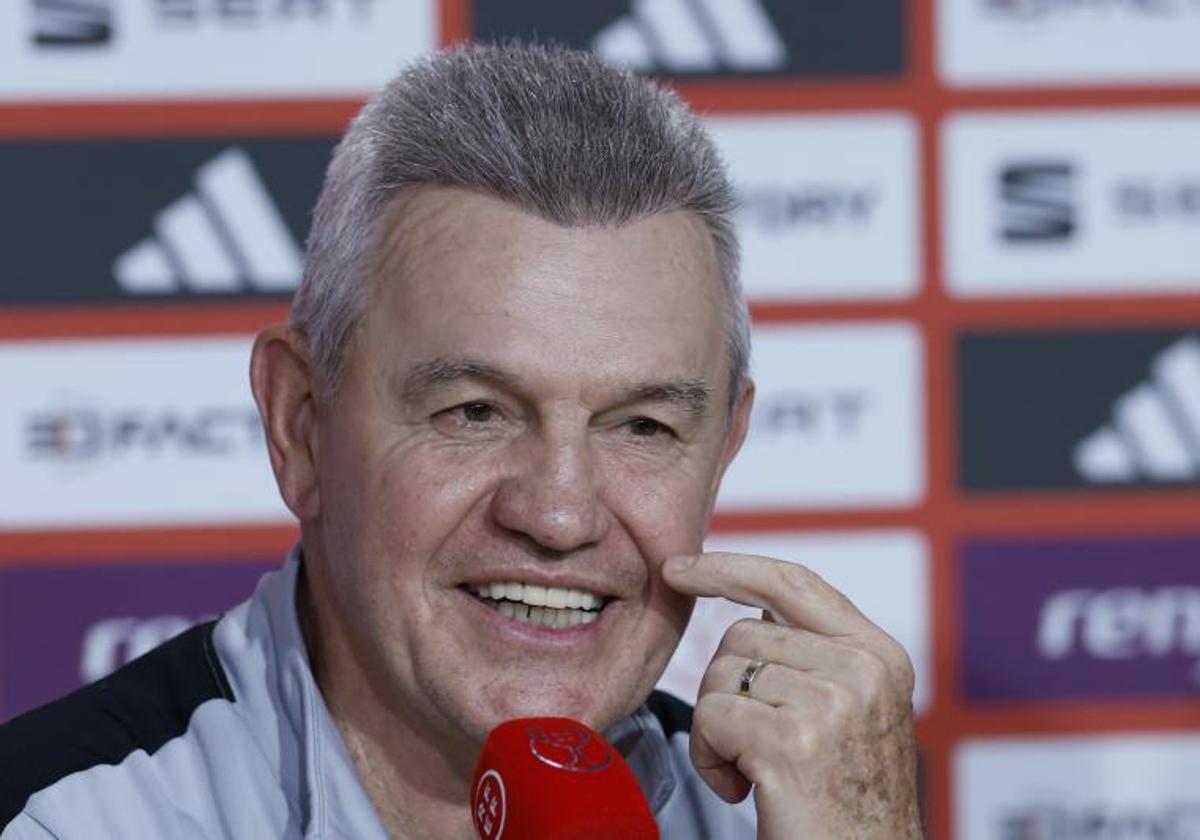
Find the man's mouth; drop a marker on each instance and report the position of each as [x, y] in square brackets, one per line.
[542, 606]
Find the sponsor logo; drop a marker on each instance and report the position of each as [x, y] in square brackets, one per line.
[1081, 618]
[885, 573]
[1121, 623]
[845, 432]
[261, 12]
[1024, 217]
[1155, 431]
[141, 431]
[490, 805]
[569, 746]
[226, 235]
[111, 642]
[848, 233]
[1107, 787]
[72, 23]
[835, 413]
[782, 209]
[1149, 200]
[87, 434]
[75, 624]
[1131, 418]
[224, 219]
[1040, 9]
[1171, 820]
[1038, 203]
[991, 42]
[711, 37]
[101, 49]
[698, 36]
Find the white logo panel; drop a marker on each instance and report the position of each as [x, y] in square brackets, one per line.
[1040, 42]
[1072, 203]
[127, 432]
[106, 49]
[885, 574]
[1117, 786]
[838, 419]
[828, 205]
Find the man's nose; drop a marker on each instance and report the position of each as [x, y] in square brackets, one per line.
[551, 494]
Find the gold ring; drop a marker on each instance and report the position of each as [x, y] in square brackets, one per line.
[748, 676]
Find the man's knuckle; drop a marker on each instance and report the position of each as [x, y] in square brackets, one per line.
[793, 577]
[740, 634]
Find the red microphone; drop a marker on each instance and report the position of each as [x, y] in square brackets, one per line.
[555, 779]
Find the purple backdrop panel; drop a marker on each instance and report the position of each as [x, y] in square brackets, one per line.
[1081, 618]
[63, 626]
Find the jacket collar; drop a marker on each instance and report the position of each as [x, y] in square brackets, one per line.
[262, 637]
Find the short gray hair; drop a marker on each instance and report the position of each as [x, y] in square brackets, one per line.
[551, 130]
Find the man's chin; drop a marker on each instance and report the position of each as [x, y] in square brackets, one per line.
[558, 701]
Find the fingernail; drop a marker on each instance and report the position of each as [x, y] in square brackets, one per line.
[681, 563]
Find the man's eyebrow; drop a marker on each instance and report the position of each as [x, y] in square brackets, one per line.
[428, 375]
[689, 395]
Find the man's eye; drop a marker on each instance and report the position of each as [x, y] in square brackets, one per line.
[645, 427]
[477, 412]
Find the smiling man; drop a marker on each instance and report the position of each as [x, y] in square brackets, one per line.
[513, 378]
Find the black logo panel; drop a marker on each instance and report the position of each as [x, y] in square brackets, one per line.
[1073, 410]
[714, 38]
[96, 221]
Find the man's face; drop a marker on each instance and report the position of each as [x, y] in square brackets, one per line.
[526, 409]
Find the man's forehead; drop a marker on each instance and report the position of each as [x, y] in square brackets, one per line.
[425, 222]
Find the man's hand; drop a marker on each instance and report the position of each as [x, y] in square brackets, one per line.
[826, 735]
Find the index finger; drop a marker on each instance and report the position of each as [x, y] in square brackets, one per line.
[793, 593]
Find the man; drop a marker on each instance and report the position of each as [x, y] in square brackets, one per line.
[514, 376]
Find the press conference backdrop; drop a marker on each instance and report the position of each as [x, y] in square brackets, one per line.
[972, 250]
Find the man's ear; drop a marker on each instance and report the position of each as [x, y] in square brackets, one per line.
[739, 425]
[284, 385]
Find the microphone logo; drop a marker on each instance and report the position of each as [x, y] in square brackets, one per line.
[490, 805]
[569, 746]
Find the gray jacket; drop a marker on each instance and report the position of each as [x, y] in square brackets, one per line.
[222, 732]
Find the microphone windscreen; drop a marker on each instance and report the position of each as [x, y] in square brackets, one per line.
[555, 779]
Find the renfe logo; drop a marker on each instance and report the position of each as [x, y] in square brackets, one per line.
[1121, 623]
[1081, 618]
[62, 626]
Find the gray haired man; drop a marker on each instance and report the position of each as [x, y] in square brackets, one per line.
[515, 373]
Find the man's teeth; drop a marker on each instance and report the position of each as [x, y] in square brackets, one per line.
[539, 596]
[546, 606]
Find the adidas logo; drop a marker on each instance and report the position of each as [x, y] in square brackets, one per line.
[72, 23]
[227, 236]
[693, 36]
[1155, 433]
